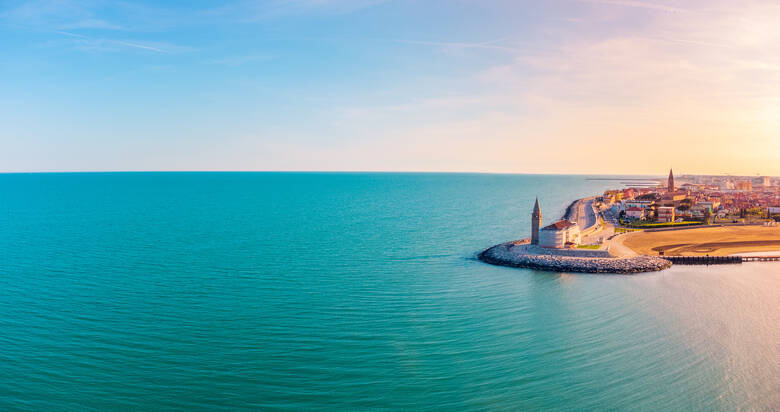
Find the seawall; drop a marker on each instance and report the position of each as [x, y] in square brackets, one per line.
[532, 257]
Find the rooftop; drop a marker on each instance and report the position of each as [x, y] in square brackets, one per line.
[560, 225]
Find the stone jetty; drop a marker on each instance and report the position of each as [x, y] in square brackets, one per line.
[524, 255]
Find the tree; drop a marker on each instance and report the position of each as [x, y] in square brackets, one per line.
[707, 217]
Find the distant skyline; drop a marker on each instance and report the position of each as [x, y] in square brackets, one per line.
[561, 86]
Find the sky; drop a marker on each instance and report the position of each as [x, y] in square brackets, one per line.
[554, 86]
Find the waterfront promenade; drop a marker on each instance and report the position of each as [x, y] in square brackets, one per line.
[592, 228]
[582, 212]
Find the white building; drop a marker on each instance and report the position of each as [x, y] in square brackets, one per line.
[698, 211]
[642, 204]
[635, 213]
[726, 185]
[689, 187]
[560, 234]
[709, 204]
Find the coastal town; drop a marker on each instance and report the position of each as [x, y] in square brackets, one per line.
[697, 200]
[651, 223]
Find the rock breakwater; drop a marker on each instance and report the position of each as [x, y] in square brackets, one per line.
[514, 254]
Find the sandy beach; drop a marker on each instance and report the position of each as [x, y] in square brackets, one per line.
[713, 241]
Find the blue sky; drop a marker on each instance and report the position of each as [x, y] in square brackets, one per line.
[455, 85]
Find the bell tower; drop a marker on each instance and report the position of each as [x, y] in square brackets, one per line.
[536, 223]
[670, 183]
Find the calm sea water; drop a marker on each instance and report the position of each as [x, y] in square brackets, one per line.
[351, 291]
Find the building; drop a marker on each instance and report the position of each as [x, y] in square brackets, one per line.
[670, 183]
[560, 234]
[614, 195]
[536, 223]
[664, 214]
[635, 213]
[700, 211]
[726, 185]
[642, 204]
[673, 198]
[745, 186]
[713, 205]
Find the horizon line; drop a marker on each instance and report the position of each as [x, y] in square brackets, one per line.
[370, 171]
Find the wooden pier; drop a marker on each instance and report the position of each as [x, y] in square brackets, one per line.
[760, 258]
[718, 260]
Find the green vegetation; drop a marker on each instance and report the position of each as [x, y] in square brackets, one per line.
[707, 217]
[640, 224]
[624, 230]
[647, 196]
[588, 246]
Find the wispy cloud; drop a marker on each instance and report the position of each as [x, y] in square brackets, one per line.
[95, 15]
[490, 45]
[638, 4]
[69, 34]
[692, 42]
[139, 46]
[251, 10]
[96, 43]
[74, 15]
[57, 14]
[241, 60]
[91, 23]
[428, 105]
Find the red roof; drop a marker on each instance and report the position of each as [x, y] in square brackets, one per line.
[559, 225]
[634, 209]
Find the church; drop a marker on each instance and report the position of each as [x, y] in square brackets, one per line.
[561, 234]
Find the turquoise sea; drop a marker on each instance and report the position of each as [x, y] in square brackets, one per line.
[351, 291]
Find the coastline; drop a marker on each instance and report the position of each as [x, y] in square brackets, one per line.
[605, 259]
[640, 251]
[715, 240]
[528, 256]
